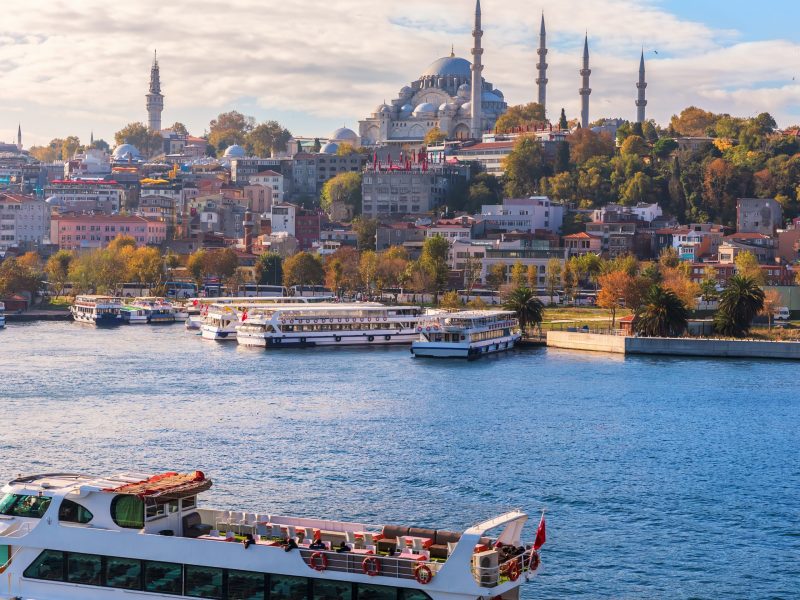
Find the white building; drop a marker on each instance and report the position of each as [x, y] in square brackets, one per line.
[523, 214]
[611, 213]
[283, 218]
[272, 180]
[24, 221]
[450, 232]
[85, 195]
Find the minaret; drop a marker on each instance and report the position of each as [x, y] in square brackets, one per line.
[155, 100]
[641, 102]
[19, 136]
[91, 138]
[585, 90]
[477, 79]
[541, 81]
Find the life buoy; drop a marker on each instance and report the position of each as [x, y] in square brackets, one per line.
[423, 574]
[371, 566]
[535, 561]
[513, 570]
[427, 329]
[419, 329]
[371, 338]
[387, 337]
[318, 566]
[337, 338]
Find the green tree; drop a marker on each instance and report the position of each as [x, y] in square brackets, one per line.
[496, 276]
[521, 116]
[552, 277]
[269, 269]
[562, 121]
[662, 314]
[664, 147]
[569, 279]
[366, 230]
[196, 265]
[267, 138]
[524, 168]
[229, 128]
[148, 143]
[344, 188]
[526, 305]
[741, 300]
[146, 266]
[435, 253]
[179, 128]
[304, 268]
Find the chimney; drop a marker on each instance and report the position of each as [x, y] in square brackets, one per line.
[248, 232]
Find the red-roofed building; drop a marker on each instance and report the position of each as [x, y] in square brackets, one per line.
[90, 231]
[581, 243]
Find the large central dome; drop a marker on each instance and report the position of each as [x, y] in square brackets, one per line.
[449, 65]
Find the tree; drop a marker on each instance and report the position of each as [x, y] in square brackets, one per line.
[70, 146]
[267, 138]
[614, 288]
[366, 230]
[662, 314]
[222, 263]
[635, 145]
[391, 267]
[450, 301]
[741, 301]
[664, 147]
[562, 121]
[519, 275]
[100, 144]
[526, 305]
[472, 273]
[708, 287]
[524, 167]
[269, 270]
[196, 265]
[179, 128]
[148, 143]
[434, 137]
[585, 144]
[344, 188]
[146, 266]
[57, 270]
[677, 280]
[569, 279]
[772, 301]
[521, 116]
[693, 121]
[434, 257]
[533, 276]
[747, 266]
[304, 268]
[496, 276]
[342, 270]
[229, 128]
[552, 277]
[368, 269]
[668, 259]
[16, 277]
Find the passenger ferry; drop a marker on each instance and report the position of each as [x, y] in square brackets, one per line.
[330, 325]
[467, 334]
[2, 315]
[219, 322]
[134, 315]
[159, 309]
[198, 307]
[97, 310]
[133, 535]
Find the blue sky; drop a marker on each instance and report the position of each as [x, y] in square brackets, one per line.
[315, 65]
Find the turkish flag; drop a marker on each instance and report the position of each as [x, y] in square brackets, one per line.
[541, 535]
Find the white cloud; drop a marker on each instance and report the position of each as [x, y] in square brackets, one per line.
[71, 67]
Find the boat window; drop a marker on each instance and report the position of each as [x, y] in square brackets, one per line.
[203, 582]
[163, 577]
[328, 589]
[409, 594]
[155, 511]
[128, 511]
[72, 512]
[124, 573]
[189, 502]
[367, 591]
[84, 568]
[48, 565]
[287, 587]
[244, 585]
[19, 505]
[172, 506]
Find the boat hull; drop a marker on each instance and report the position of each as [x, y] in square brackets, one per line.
[104, 320]
[377, 338]
[468, 351]
[219, 335]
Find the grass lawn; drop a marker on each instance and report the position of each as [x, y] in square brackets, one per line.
[62, 303]
[580, 314]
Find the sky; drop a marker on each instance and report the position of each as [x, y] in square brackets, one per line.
[71, 67]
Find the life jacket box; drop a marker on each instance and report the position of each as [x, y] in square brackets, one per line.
[486, 566]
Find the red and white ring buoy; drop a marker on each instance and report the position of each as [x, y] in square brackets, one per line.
[423, 574]
[318, 566]
[371, 566]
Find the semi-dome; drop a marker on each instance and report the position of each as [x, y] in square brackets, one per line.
[407, 109]
[466, 108]
[405, 91]
[447, 66]
[344, 134]
[330, 148]
[235, 151]
[464, 90]
[425, 109]
[126, 151]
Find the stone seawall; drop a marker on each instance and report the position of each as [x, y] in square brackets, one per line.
[674, 346]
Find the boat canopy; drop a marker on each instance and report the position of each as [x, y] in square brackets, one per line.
[167, 486]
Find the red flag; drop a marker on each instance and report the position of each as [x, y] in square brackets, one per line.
[244, 318]
[541, 535]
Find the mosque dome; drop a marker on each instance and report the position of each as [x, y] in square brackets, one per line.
[426, 109]
[406, 109]
[330, 148]
[405, 91]
[491, 97]
[234, 151]
[464, 90]
[125, 151]
[466, 108]
[447, 66]
[344, 134]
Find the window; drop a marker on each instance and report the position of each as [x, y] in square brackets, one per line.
[128, 511]
[189, 502]
[162, 577]
[84, 568]
[368, 591]
[48, 565]
[124, 573]
[72, 512]
[18, 505]
[243, 585]
[203, 582]
[325, 589]
[286, 587]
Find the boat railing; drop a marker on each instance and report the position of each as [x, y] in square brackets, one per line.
[524, 564]
[350, 562]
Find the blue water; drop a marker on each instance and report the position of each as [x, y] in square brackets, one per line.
[662, 478]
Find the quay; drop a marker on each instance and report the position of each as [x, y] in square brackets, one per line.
[698, 347]
[38, 315]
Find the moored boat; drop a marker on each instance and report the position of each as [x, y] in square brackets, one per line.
[159, 309]
[134, 315]
[467, 334]
[2, 315]
[97, 310]
[71, 536]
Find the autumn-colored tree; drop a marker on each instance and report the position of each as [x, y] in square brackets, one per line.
[302, 269]
[178, 128]
[148, 143]
[772, 301]
[57, 270]
[552, 276]
[521, 116]
[391, 267]
[472, 273]
[368, 269]
[585, 144]
[146, 266]
[344, 188]
[519, 275]
[229, 128]
[342, 270]
[693, 121]
[635, 145]
[496, 276]
[16, 277]
[450, 301]
[678, 281]
[434, 137]
[747, 266]
[533, 276]
[615, 287]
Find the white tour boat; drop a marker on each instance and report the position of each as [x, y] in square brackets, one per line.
[159, 309]
[467, 334]
[219, 322]
[330, 325]
[97, 310]
[78, 537]
[197, 308]
[2, 315]
[134, 315]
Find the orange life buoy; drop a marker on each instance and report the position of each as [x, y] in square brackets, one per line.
[323, 561]
[535, 561]
[423, 574]
[371, 566]
[514, 571]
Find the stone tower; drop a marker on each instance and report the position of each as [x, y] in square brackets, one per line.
[155, 100]
[585, 90]
[641, 101]
[19, 136]
[476, 98]
[541, 80]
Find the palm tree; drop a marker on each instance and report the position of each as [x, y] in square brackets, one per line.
[741, 301]
[527, 306]
[662, 314]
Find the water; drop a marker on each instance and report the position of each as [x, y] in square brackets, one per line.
[662, 478]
